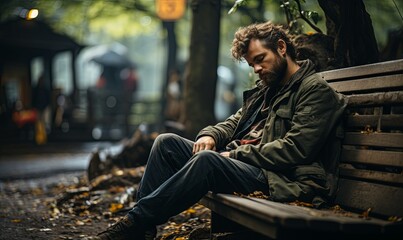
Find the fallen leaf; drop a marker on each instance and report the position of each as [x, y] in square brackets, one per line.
[115, 207]
[45, 230]
[80, 223]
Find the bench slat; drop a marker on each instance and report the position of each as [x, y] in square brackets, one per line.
[374, 83]
[365, 195]
[374, 157]
[370, 175]
[269, 214]
[391, 140]
[251, 214]
[330, 220]
[394, 121]
[375, 99]
[359, 71]
[326, 219]
[304, 213]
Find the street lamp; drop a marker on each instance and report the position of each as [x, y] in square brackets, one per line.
[32, 13]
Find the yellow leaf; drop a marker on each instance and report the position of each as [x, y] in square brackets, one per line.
[191, 210]
[115, 207]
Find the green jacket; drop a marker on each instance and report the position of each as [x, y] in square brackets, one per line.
[300, 146]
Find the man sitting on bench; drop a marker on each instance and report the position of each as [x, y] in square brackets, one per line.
[282, 142]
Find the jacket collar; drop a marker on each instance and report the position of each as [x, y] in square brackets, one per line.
[306, 69]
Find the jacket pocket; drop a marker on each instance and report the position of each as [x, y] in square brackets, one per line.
[283, 122]
[309, 174]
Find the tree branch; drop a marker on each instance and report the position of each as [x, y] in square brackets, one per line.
[306, 19]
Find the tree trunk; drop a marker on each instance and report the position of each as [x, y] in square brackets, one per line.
[394, 46]
[201, 70]
[171, 64]
[351, 26]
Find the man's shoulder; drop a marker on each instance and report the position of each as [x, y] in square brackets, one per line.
[314, 79]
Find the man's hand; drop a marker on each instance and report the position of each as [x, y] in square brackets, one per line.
[224, 154]
[204, 143]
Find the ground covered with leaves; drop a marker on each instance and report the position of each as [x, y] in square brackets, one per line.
[68, 206]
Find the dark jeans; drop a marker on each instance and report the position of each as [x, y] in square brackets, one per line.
[175, 179]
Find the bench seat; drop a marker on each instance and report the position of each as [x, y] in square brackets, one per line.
[274, 219]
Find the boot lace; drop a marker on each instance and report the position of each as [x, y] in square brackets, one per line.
[120, 226]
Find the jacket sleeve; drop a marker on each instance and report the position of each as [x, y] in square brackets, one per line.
[317, 108]
[223, 131]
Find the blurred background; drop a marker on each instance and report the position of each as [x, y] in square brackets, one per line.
[91, 70]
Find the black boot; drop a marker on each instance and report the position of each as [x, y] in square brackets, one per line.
[124, 229]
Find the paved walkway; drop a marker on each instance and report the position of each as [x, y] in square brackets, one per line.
[31, 180]
[29, 160]
[34, 179]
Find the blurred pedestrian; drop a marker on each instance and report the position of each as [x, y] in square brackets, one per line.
[41, 102]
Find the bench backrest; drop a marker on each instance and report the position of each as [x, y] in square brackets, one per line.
[371, 177]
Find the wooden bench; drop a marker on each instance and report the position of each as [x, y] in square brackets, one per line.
[370, 193]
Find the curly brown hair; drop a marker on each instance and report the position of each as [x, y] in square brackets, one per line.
[266, 32]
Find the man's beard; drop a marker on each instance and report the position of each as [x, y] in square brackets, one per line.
[273, 77]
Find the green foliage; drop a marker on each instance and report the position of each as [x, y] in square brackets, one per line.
[114, 20]
[313, 15]
[86, 20]
[294, 14]
[385, 17]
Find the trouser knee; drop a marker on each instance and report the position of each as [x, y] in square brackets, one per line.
[163, 137]
[171, 150]
[207, 159]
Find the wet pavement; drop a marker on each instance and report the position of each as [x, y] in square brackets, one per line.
[32, 177]
[27, 160]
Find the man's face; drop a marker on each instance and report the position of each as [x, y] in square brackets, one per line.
[269, 65]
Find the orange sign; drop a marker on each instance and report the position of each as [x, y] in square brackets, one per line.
[170, 9]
